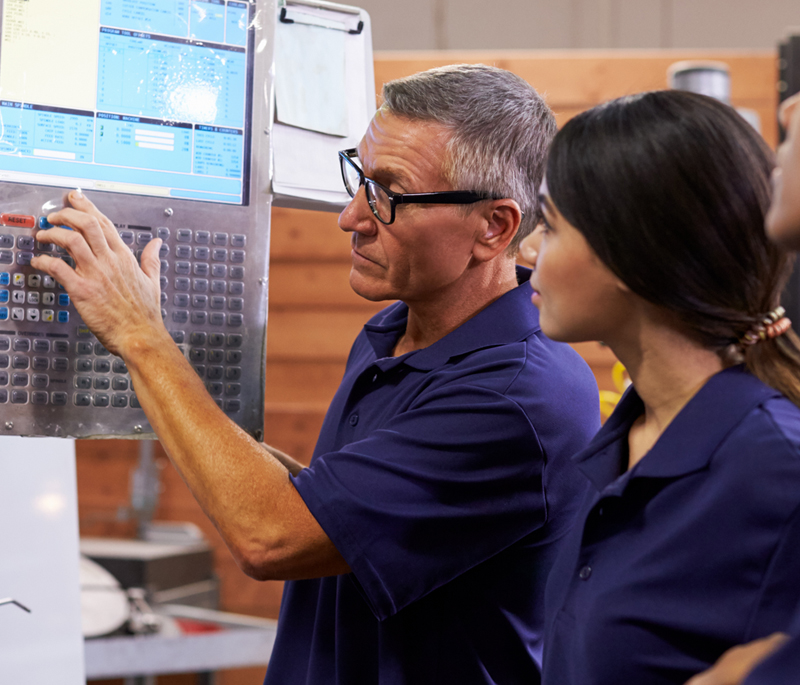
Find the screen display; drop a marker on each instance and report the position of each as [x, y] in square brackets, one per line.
[148, 97]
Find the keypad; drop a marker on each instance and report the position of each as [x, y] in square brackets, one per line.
[33, 296]
[59, 362]
[207, 284]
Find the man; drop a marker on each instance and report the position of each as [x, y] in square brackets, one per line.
[768, 661]
[420, 537]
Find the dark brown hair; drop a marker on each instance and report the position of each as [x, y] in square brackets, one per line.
[670, 189]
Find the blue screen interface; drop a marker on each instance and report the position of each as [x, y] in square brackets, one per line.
[170, 110]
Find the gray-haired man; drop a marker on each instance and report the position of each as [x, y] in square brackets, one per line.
[419, 539]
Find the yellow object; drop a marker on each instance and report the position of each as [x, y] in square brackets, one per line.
[610, 398]
[621, 381]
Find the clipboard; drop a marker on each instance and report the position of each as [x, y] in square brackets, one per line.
[323, 99]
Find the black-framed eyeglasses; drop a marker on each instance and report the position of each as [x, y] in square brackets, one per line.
[383, 201]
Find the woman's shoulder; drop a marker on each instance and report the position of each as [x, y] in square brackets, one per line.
[764, 444]
[783, 417]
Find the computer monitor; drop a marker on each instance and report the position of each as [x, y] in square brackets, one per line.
[149, 107]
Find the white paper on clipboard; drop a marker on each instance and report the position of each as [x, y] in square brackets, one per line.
[306, 165]
[310, 77]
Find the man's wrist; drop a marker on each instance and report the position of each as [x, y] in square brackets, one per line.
[143, 347]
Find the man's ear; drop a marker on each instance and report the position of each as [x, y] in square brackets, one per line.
[499, 222]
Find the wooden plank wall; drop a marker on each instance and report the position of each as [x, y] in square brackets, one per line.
[314, 316]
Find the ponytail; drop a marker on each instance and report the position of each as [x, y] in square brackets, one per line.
[776, 362]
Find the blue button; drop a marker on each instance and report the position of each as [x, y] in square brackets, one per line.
[63, 301]
[5, 278]
[44, 223]
[3, 313]
[63, 317]
[3, 295]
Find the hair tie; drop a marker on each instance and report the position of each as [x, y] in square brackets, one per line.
[771, 326]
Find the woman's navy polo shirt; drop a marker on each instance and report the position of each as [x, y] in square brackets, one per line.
[692, 551]
[444, 479]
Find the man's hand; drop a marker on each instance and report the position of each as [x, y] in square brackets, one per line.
[116, 298]
[737, 663]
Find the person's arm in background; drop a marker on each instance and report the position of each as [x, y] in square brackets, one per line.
[242, 488]
[738, 662]
[292, 466]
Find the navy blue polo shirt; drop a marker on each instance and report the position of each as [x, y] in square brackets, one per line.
[444, 479]
[783, 667]
[692, 551]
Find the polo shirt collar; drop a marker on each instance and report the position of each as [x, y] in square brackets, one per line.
[510, 318]
[688, 443]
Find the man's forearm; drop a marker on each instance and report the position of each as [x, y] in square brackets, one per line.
[242, 487]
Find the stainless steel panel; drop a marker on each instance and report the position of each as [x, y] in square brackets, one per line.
[245, 313]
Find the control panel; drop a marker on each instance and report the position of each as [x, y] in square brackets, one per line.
[167, 135]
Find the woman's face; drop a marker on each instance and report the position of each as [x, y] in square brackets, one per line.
[578, 297]
[783, 218]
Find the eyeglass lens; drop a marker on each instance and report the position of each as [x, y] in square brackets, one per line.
[378, 200]
[352, 178]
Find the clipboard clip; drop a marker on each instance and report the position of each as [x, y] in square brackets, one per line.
[285, 19]
[8, 600]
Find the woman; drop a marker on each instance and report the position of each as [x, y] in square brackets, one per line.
[654, 243]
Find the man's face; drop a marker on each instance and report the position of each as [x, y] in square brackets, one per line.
[428, 247]
[783, 218]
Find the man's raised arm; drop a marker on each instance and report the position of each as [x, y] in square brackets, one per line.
[243, 488]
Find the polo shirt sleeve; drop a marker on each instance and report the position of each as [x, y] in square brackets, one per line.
[435, 491]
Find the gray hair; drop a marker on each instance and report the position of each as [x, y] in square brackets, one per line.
[501, 130]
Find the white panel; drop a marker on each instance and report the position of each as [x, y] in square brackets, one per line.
[593, 23]
[731, 23]
[407, 25]
[639, 24]
[515, 24]
[39, 563]
[566, 24]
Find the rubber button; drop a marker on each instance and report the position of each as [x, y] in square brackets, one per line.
[22, 220]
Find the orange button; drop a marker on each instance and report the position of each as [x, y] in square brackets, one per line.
[18, 220]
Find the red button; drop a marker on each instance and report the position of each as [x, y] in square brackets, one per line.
[18, 220]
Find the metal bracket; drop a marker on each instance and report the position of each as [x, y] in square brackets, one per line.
[286, 20]
[8, 600]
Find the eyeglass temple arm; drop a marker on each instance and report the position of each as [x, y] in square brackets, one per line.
[444, 197]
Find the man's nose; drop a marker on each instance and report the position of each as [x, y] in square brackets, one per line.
[357, 216]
